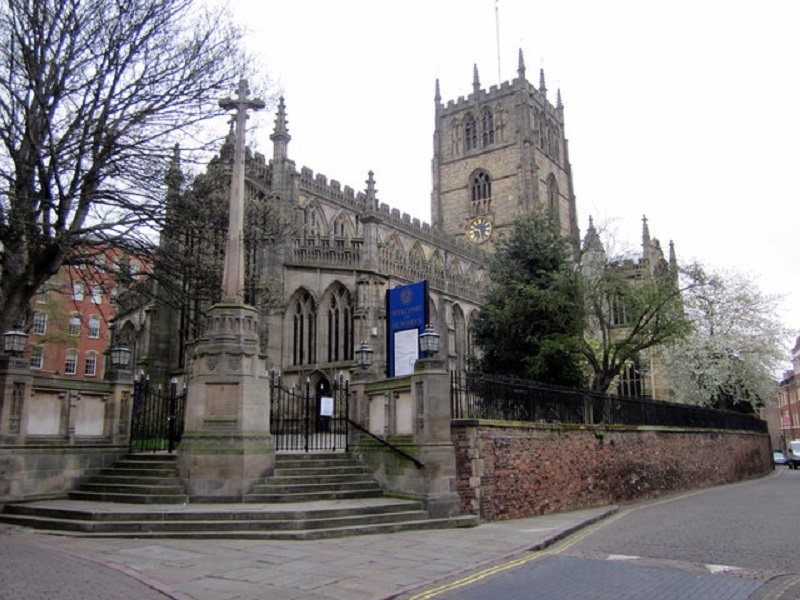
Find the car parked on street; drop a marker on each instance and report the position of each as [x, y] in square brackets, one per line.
[793, 454]
[779, 458]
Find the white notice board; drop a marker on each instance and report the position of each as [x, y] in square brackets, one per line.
[406, 344]
[326, 406]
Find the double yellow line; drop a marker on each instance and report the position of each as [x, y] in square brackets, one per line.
[557, 548]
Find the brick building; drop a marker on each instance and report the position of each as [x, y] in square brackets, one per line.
[71, 314]
[789, 400]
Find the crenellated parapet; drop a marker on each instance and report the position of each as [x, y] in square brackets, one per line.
[499, 93]
[318, 185]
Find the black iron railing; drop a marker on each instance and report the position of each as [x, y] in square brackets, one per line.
[157, 419]
[478, 396]
[306, 420]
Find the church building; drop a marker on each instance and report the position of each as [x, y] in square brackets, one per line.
[319, 278]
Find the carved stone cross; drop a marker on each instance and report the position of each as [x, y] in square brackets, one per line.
[233, 273]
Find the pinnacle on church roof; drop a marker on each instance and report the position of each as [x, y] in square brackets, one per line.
[645, 234]
[476, 82]
[542, 86]
[673, 260]
[372, 198]
[521, 65]
[592, 240]
[559, 103]
[438, 96]
[281, 131]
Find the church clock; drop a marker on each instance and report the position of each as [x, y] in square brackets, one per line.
[479, 229]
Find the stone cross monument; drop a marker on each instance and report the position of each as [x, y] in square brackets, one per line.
[233, 273]
[226, 447]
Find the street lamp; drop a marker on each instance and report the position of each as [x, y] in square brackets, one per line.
[364, 356]
[120, 357]
[14, 341]
[429, 341]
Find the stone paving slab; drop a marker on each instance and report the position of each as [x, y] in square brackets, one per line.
[371, 567]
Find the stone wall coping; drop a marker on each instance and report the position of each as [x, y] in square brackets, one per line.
[596, 429]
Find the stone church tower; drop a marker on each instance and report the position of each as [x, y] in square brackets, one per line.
[497, 154]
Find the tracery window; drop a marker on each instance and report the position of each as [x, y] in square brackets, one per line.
[470, 132]
[488, 128]
[552, 197]
[340, 226]
[619, 312]
[311, 221]
[481, 191]
[631, 383]
[340, 326]
[304, 330]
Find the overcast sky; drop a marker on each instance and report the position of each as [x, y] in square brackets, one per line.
[685, 111]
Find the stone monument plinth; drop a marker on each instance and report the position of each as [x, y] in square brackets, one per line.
[226, 446]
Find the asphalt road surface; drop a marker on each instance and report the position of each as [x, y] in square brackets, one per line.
[735, 542]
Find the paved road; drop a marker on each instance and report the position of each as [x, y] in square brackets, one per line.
[735, 542]
[37, 566]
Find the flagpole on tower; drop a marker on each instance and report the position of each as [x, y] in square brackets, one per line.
[497, 36]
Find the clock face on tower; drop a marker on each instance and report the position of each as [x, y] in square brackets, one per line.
[479, 230]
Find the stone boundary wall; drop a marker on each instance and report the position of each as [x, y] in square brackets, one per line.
[35, 473]
[514, 470]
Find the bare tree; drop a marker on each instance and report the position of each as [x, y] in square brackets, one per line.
[93, 96]
[632, 305]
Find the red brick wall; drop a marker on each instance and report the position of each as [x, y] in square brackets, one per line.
[508, 472]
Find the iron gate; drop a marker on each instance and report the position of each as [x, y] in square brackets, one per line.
[306, 419]
[157, 418]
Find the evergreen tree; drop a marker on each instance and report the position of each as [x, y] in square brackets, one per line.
[532, 321]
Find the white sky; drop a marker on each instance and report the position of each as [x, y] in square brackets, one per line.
[685, 111]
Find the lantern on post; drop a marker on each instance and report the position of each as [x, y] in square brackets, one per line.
[364, 356]
[14, 341]
[429, 341]
[120, 357]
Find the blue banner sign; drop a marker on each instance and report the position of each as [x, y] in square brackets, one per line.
[407, 314]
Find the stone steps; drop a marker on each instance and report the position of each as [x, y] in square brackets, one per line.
[310, 477]
[310, 497]
[315, 520]
[135, 479]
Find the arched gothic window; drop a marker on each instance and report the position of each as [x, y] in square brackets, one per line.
[631, 382]
[488, 128]
[340, 326]
[481, 192]
[340, 226]
[304, 330]
[541, 125]
[311, 221]
[552, 197]
[470, 132]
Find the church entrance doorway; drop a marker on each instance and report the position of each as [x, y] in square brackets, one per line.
[313, 417]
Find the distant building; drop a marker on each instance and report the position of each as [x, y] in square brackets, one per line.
[789, 400]
[71, 314]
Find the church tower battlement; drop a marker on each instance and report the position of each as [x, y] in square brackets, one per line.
[500, 153]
